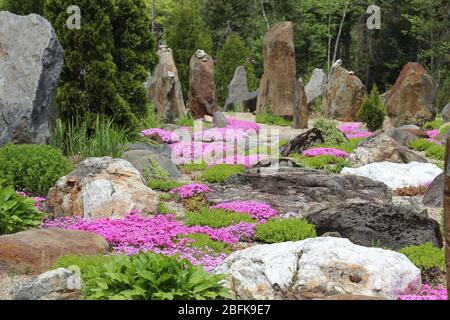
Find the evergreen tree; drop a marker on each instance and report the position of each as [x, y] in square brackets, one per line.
[232, 55]
[185, 34]
[94, 81]
[24, 7]
[372, 110]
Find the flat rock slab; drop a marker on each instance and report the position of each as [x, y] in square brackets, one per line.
[300, 190]
[397, 175]
[35, 251]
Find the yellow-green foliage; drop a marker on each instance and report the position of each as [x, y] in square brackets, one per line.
[282, 230]
[216, 218]
[426, 256]
[221, 172]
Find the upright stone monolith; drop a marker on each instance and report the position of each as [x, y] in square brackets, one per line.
[447, 213]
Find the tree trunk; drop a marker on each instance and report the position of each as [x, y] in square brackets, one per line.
[447, 214]
[336, 46]
[153, 16]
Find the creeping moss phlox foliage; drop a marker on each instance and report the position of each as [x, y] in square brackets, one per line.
[221, 172]
[282, 230]
[216, 218]
[271, 119]
[425, 256]
[34, 168]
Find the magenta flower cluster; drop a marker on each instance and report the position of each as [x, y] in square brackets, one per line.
[161, 234]
[166, 136]
[247, 161]
[433, 136]
[242, 125]
[190, 152]
[325, 151]
[353, 130]
[428, 293]
[258, 210]
[220, 134]
[190, 190]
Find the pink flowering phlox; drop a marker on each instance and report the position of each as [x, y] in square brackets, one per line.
[325, 151]
[166, 136]
[161, 234]
[353, 130]
[242, 125]
[190, 190]
[220, 134]
[428, 293]
[258, 210]
[433, 136]
[247, 161]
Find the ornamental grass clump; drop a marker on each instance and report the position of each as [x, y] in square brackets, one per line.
[282, 230]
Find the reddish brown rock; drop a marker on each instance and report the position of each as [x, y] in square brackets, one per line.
[344, 95]
[411, 100]
[165, 88]
[202, 95]
[279, 87]
[303, 105]
[35, 251]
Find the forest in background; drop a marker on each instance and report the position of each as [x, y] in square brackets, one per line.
[233, 33]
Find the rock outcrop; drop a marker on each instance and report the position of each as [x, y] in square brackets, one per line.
[165, 87]
[404, 135]
[434, 196]
[314, 88]
[202, 90]
[318, 268]
[278, 91]
[382, 148]
[385, 226]
[237, 91]
[30, 65]
[411, 100]
[446, 113]
[101, 188]
[344, 95]
[302, 142]
[37, 250]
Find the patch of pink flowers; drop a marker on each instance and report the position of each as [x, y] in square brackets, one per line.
[190, 190]
[166, 136]
[247, 161]
[220, 134]
[39, 202]
[190, 152]
[353, 130]
[161, 234]
[428, 293]
[242, 125]
[325, 151]
[258, 210]
[433, 136]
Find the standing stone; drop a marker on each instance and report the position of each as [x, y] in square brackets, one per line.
[446, 113]
[237, 90]
[316, 85]
[250, 101]
[344, 95]
[303, 105]
[219, 120]
[202, 95]
[279, 87]
[411, 100]
[434, 196]
[31, 60]
[447, 214]
[165, 88]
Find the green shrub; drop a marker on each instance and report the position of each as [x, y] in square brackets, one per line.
[77, 138]
[152, 120]
[425, 256]
[17, 213]
[23, 7]
[221, 172]
[271, 119]
[444, 130]
[372, 111]
[436, 152]
[434, 125]
[330, 133]
[192, 167]
[83, 262]
[282, 230]
[150, 276]
[216, 218]
[323, 162]
[205, 243]
[34, 168]
[164, 185]
[420, 144]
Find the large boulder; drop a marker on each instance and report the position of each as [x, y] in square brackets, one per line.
[411, 100]
[446, 113]
[58, 284]
[249, 102]
[377, 224]
[300, 190]
[397, 175]
[278, 89]
[202, 90]
[404, 135]
[316, 85]
[237, 91]
[302, 142]
[318, 268]
[140, 156]
[37, 250]
[165, 87]
[101, 188]
[344, 95]
[434, 196]
[383, 148]
[30, 65]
